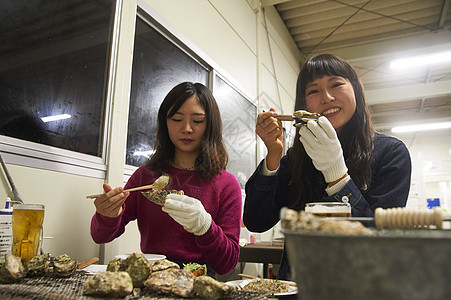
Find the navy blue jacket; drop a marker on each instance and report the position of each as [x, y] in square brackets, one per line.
[389, 187]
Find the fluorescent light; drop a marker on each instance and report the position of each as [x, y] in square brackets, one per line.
[55, 118]
[421, 60]
[422, 127]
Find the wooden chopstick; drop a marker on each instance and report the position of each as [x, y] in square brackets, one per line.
[255, 277]
[285, 118]
[144, 187]
[85, 263]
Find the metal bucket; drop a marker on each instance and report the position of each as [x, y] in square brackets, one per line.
[392, 264]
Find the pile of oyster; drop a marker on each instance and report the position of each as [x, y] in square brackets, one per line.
[308, 222]
[12, 268]
[123, 277]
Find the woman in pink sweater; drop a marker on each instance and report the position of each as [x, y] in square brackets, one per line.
[201, 226]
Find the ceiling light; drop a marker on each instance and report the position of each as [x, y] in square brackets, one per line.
[55, 118]
[421, 60]
[422, 127]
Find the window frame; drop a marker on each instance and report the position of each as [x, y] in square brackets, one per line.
[30, 154]
[153, 19]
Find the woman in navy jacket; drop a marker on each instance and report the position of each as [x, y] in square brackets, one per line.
[337, 158]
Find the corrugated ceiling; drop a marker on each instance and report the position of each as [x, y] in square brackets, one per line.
[369, 34]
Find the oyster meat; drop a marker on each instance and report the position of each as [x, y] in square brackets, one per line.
[11, 269]
[62, 266]
[109, 284]
[171, 281]
[209, 288]
[161, 182]
[38, 265]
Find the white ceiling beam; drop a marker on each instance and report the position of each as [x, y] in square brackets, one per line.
[266, 3]
[410, 45]
[408, 92]
[441, 22]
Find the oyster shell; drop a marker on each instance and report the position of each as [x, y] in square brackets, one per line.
[62, 266]
[109, 284]
[159, 196]
[136, 265]
[115, 265]
[164, 264]
[11, 269]
[209, 288]
[171, 281]
[38, 265]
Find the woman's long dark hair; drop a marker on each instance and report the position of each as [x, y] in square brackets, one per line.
[356, 136]
[213, 156]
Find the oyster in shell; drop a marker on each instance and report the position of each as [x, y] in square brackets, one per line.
[164, 264]
[109, 284]
[209, 288]
[159, 196]
[138, 267]
[115, 265]
[11, 269]
[171, 281]
[62, 266]
[38, 265]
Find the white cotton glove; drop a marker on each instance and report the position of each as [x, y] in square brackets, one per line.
[322, 145]
[188, 212]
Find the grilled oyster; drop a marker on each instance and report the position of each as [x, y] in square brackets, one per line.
[62, 266]
[209, 288]
[115, 265]
[171, 281]
[159, 196]
[164, 264]
[138, 267]
[11, 269]
[161, 182]
[109, 284]
[38, 265]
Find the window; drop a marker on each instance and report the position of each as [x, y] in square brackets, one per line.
[158, 66]
[54, 62]
[238, 119]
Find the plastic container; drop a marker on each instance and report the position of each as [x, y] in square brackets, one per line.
[6, 232]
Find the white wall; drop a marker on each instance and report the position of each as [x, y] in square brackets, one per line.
[430, 152]
[252, 49]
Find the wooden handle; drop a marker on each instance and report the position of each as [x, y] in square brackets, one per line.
[144, 187]
[84, 263]
[284, 118]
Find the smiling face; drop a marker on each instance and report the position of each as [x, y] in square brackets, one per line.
[186, 128]
[332, 97]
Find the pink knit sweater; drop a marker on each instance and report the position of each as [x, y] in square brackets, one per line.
[160, 234]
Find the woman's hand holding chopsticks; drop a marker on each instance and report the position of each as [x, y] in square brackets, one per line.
[110, 203]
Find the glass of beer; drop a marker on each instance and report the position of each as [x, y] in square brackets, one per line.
[329, 209]
[27, 222]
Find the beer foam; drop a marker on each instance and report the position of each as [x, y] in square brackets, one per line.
[328, 208]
